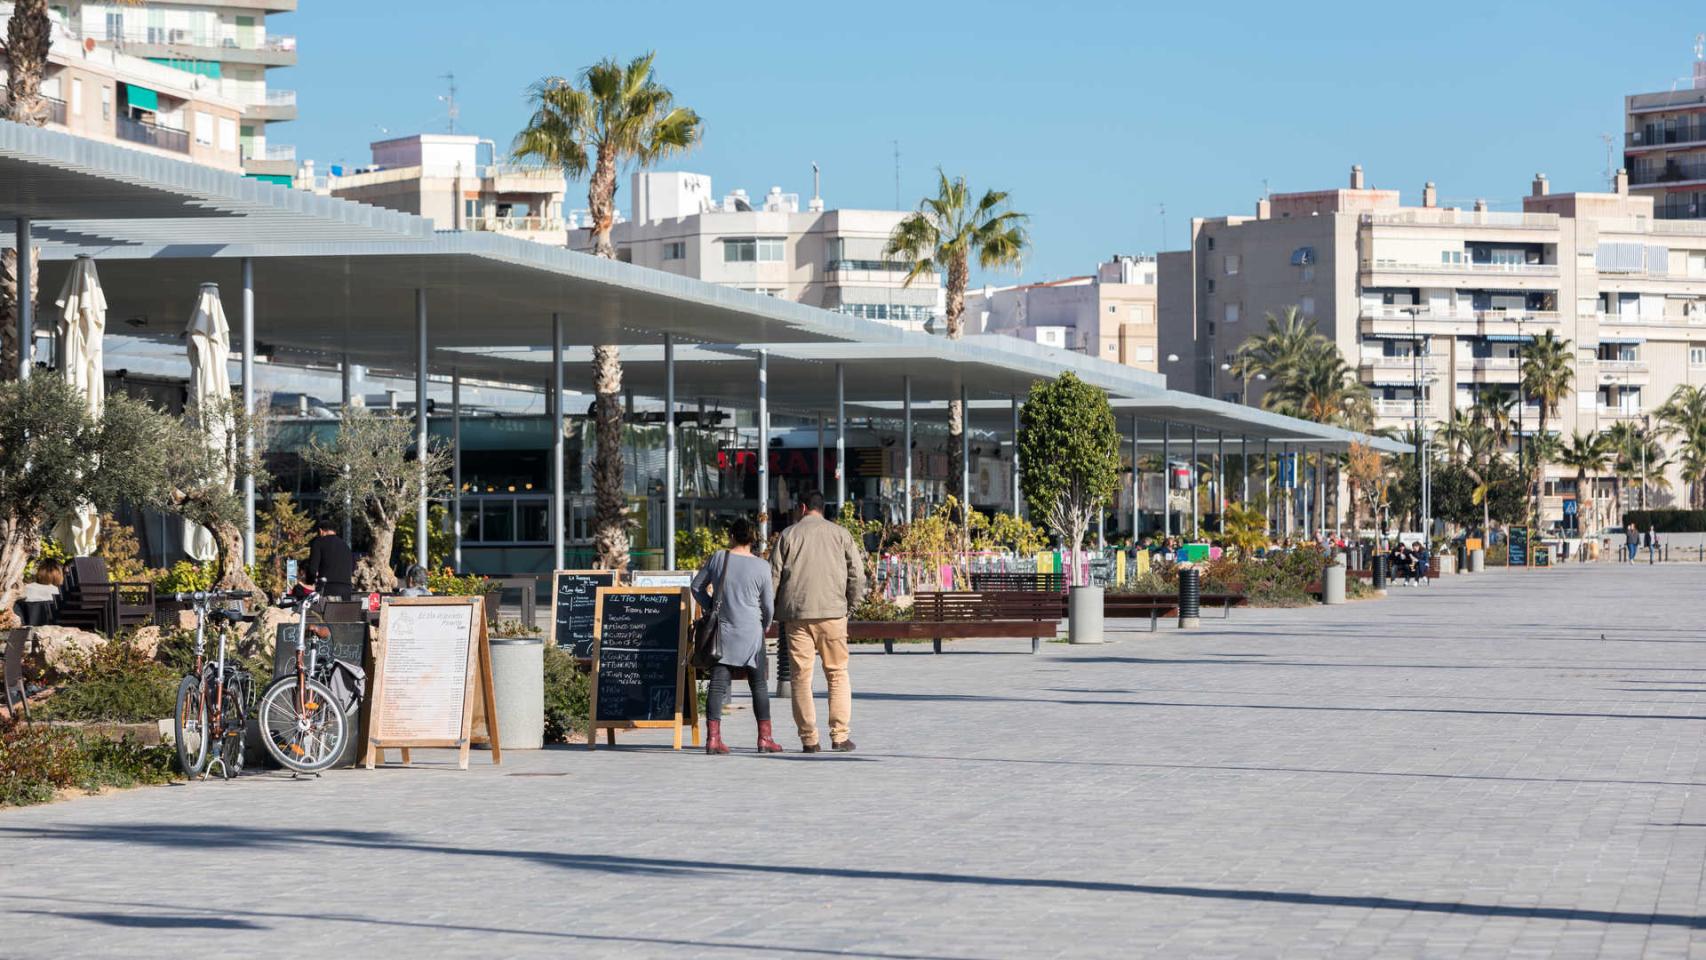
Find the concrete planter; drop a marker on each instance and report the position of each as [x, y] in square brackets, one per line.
[1333, 582]
[1084, 612]
[1477, 561]
[518, 686]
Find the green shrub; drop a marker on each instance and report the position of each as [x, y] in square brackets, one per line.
[1668, 521]
[513, 628]
[694, 547]
[184, 577]
[35, 761]
[445, 583]
[123, 763]
[568, 695]
[878, 607]
[116, 683]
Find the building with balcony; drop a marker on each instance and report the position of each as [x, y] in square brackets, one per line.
[826, 258]
[1664, 146]
[1431, 304]
[97, 92]
[453, 180]
[1108, 314]
[224, 43]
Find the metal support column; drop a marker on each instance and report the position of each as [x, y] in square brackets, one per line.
[1267, 487]
[456, 468]
[840, 438]
[559, 523]
[820, 474]
[1244, 467]
[764, 446]
[1196, 498]
[965, 452]
[1136, 485]
[421, 424]
[1220, 480]
[1018, 504]
[248, 395]
[1166, 479]
[347, 377]
[906, 444]
[27, 303]
[671, 458]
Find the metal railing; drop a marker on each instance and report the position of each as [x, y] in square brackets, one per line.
[271, 151]
[53, 111]
[152, 135]
[281, 98]
[1453, 217]
[184, 37]
[1673, 171]
[505, 224]
[1661, 136]
[1463, 314]
[1619, 365]
[1650, 319]
[1489, 364]
[1685, 228]
[1516, 269]
[881, 266]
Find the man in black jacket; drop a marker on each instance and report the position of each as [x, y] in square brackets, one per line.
[331, 566]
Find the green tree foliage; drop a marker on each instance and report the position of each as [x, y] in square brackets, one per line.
[441, 539]
[208, 456]
[1069, 455]
[282, 534]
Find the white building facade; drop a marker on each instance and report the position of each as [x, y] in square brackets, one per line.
[1110, 314]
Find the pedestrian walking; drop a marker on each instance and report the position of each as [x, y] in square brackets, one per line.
[1632, 539]
[1651, 537]
[736, 588]
[330, 570]
[820, 577]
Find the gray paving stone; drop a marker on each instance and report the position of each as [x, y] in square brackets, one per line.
[1462, 771]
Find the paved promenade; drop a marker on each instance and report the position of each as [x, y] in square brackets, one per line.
[1506, 765]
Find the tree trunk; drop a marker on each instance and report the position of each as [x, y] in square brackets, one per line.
[29, 37]
[9, 306]
[233, 575]
[373, 573]
[610, 502]
[958, 276]
[19, 541]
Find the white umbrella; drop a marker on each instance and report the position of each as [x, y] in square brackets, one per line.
[81, 327]
[210, 386]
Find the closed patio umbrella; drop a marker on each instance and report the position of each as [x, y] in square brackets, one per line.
[210, 386]
[81, 326]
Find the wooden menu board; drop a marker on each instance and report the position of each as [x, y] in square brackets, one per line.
[639, 662]
[432, 663]
[574, 596]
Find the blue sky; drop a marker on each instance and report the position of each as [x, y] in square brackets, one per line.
[1090, 114]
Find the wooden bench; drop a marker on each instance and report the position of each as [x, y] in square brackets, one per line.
[943, 615]
[1165, 604]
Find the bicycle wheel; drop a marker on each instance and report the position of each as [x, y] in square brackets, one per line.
[232, 717]
[189, 725]
[306, 740]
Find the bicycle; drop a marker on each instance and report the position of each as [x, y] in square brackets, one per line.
[302, 724]
[212, 705]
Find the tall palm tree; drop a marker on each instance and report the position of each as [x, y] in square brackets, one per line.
[1454, 435]
[1289, 338]
[1320, 386]
[1547, 373]
[1683, 415]
[1587, 455]
[613, 116]
[1496, 410]
[946, 233]
[29, 36]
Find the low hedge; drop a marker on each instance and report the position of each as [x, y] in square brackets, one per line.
[1668, 521]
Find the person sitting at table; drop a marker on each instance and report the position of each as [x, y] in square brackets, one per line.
[39, 606]
[415, 582]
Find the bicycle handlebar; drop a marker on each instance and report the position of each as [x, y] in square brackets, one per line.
[204, 596]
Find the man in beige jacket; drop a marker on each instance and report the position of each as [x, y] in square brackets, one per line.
[820, 577]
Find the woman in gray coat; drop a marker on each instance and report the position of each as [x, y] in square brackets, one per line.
[748, 606]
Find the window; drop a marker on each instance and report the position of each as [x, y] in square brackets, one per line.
[675, 250]
[1145, 354]
[1139, 315]
[1211, 285]
[1697, 356]
[752, 249]
[77, 96]
[1232, 313]
[1211, 243]
[770, 249]
[1451, 257]
[1308, 306]
[204, 128]
[106, 103]
[227, 134]
[1113, 308]
[1232, 264]
[470, 209]
[1306, 274]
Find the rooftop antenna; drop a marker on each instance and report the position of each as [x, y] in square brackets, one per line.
[896, 173]
[1610, 162]
[1162, 209]
[449, 100]
[1700, 61]
[1266, 193]
[817, 190]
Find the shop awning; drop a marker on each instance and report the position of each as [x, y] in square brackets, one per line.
[141, 98]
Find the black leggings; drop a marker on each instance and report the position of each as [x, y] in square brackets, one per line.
[719, 695]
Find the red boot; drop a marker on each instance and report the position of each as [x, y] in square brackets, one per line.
[765, 744]
[714, 737]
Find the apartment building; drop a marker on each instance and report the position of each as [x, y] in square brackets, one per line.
[1431, 304]
[225, 45]
[826, 258]
[453, 180]
[97, 92]
[1109, 314]
[1664, 145]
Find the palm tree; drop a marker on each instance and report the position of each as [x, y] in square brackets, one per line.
[1587, 455]
[1320, 386]
[29, 36]
[1684, 415]
[1454, 435]
[615, 115]
[1290, 336]
[945, 233]
[1548, 371]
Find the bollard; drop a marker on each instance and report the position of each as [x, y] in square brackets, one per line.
[1333, 581]
[1190, 598]
[1084, 615]
[784, 666]
[518, 687]
[1477, 561]
[1378, 578]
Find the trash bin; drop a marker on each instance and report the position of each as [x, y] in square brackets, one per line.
[1190, 598]
[1378, 579]
[1084, 615]
[518, 686]
[1333, 582]
[1477, 560]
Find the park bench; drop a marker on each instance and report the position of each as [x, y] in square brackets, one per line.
[1158, 605]
[941, 615]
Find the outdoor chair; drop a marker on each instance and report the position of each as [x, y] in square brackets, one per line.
[93, 602]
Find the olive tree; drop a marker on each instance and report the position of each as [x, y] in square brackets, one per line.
[1069, 456]
[209, 456]
[56, 456]
[371, 465]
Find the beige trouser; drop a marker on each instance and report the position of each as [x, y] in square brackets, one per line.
[808, 640]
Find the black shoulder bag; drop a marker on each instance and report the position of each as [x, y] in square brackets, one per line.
[707, 638]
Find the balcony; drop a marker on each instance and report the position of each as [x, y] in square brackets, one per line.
[228, 46]
[1617, 413]
[1490, 270]
[1650, 320]
[1623, 371]
[1674, 171]
[53, 111]
[1452, 217]
[1461, 321]
[1489, 369]
[1385, 369]
[1646, 225]
[1398, 409]
[152, 135]
[1682, 134]
[517, 225]
[272, 152]
[279, 105]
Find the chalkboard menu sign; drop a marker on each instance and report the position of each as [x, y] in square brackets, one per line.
[573, 598]
[638, 658]
[1518, 555]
